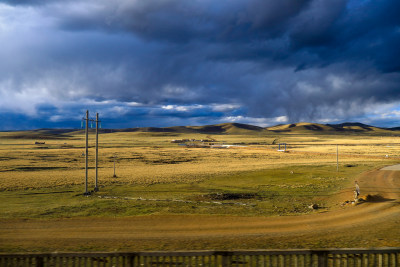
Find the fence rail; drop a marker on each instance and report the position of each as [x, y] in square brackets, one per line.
[381, 257]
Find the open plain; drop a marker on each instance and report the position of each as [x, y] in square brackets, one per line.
[166, 196]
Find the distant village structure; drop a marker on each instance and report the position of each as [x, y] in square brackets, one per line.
[202, 143]
[282, 147]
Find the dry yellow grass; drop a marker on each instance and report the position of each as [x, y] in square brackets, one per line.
[147, 158]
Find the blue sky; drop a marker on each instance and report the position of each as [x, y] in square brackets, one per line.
[168, 62]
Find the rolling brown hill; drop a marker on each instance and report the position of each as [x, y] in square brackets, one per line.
[343, 128]
[223, 128]
[301, 127]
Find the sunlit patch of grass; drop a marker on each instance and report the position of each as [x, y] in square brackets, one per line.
[281, 191]
[149, 166]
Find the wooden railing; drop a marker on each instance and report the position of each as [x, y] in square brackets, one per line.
[381, 257]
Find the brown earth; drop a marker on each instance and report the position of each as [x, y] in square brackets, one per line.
[368, 224]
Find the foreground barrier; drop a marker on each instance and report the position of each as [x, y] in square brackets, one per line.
[266, 258]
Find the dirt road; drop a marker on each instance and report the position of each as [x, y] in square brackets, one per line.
[371, 224]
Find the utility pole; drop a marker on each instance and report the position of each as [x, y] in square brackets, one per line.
[86, 152]
[96, 188]
[337, 158]
[115, 176]
[87, 119]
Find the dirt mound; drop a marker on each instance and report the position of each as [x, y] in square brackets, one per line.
[367, 198]
[374, 198]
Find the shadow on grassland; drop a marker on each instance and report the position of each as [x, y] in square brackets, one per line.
[48, 193]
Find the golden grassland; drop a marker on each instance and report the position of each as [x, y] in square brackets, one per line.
[45, 180]
[148, 158]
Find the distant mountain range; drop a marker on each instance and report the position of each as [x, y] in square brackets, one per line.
[226, 128]
[295, 128]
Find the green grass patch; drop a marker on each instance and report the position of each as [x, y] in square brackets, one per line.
[281, 191]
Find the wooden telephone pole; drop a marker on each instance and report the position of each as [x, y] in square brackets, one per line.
[337, 158]
[86, 152]
[87, 119]
[96, 188]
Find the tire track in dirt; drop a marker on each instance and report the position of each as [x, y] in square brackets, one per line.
[164, 228]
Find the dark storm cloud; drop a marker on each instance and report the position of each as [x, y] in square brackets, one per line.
[306, 59]
[350, 31]
[24, 2]
[183, 21]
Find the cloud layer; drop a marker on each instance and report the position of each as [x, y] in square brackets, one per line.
[310, 60]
